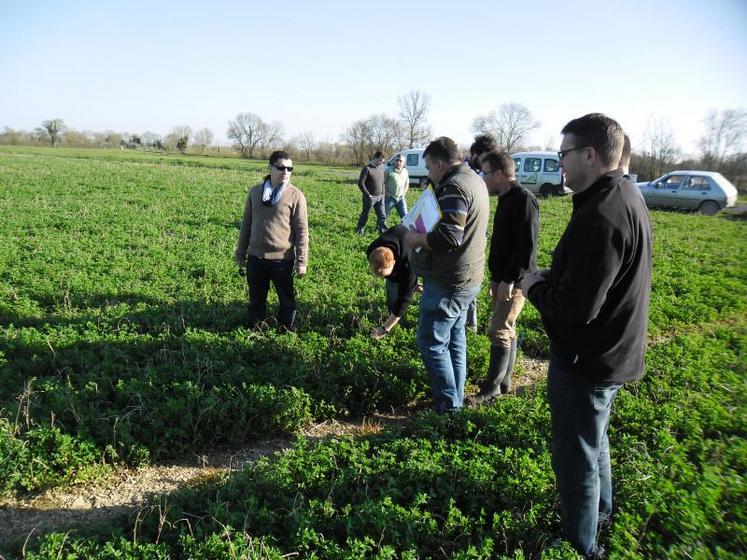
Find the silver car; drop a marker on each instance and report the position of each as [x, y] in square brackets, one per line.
[706, 191]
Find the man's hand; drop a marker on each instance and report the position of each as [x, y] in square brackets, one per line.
[530, 280]
[301, 271]
[501, 291]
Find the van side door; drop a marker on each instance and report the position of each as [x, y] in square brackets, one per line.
[528, 173]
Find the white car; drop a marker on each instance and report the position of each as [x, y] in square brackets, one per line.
[706, 191]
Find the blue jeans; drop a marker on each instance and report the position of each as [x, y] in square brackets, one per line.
[580, 411]
[400, 205]
[443, 342]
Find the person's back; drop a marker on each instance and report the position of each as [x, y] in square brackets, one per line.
[389, 259]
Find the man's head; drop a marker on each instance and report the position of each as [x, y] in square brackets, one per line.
[626, 155]
[378, 158]
[441, 156]
[483, 144]
[381, 261]
[280, 167]
[498, 171]
[591, 147]
[399, 162]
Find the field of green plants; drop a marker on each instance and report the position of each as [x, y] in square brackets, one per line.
[123, 342]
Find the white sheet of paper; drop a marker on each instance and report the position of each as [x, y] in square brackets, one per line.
[425, 213]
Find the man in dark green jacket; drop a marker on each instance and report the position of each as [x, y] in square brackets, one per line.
[451, 261]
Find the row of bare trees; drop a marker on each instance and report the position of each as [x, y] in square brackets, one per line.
[408, 129]
[721, 146]
[55, 132]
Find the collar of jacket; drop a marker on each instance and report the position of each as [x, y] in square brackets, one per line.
[446, 178]
[514, 185]
[606, 181]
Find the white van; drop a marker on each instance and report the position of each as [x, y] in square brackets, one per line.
[540, 173]
[415, 164]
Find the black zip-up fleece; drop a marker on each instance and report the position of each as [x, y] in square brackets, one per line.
[513, 245]
[594, 302]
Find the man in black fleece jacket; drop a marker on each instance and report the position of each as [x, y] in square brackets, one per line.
[390, 260]
[594, 304]
[513, 253]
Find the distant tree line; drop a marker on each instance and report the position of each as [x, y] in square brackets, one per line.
[721, 146]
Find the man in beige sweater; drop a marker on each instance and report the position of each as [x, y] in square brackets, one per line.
[274, 242]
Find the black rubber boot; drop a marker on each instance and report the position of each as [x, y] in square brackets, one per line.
[506, 384]
[286, 319]
[491, 387]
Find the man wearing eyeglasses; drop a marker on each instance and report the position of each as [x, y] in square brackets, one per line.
[513, 253]
[594, 303]
[274, 242]
[451, 261]
[371, 184]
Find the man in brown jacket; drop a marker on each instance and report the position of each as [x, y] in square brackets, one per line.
[274, 241]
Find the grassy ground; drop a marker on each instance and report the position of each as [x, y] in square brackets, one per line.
[122, 340]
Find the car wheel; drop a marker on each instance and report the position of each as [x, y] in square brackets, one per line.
[423, 182]
[709, 208]
[546, 190]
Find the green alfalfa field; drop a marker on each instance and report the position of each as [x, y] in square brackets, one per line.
[123, 342]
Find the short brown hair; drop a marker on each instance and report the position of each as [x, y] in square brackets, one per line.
[444, 149]
[600, 132]
[500, 161]
[381, 259]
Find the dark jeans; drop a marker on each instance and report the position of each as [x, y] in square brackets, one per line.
[378, 205]
[580, 411]
[259, 273]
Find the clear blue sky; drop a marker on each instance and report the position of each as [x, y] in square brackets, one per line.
[136, 66]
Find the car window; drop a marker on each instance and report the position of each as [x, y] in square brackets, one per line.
[672, 182]
[532, 165]
[412, 160]
[551, 165]
[517, 164]
[697, 183]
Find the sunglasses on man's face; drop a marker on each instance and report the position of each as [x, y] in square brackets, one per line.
[279, 167]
